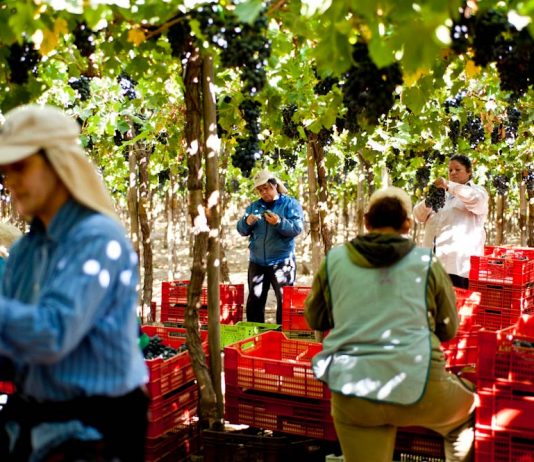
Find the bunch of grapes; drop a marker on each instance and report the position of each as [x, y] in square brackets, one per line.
[515, 66]
[422, 177]
[157, 349]
[118, 138]
[349, 164]
[455, 101]
[529, 179]
[368, 90]
[323, 86]
[500, 183]
[250, 111]
[128, 85]
[454, 131]
[324, 137]
[177, 35]
[82, 87]
[246, 153]
[512, 123]
[435, 198]
[494, 39]
[243, 45]
[288, 156]
[290, 128]
[22, 59]
[489, 31]
[473, 130]
[84, 39]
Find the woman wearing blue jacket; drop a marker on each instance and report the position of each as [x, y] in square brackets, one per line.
[272, 224]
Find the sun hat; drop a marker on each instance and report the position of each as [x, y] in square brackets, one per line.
[392, 191]
[263, 176]
[30, 128]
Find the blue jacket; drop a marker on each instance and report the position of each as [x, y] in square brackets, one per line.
[272, 244]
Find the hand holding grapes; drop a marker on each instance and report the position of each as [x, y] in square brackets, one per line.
[441, 183]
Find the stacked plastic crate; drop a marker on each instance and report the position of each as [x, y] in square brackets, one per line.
[270, 385]
[504, 276]
[293, 322]
[172, 433]
[174, 303]
[504, 422]
[461, 352]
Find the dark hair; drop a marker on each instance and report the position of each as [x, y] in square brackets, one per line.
[272, 181]
[386, 212]
[464, 160]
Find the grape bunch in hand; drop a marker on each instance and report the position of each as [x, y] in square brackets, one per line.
[435, 198]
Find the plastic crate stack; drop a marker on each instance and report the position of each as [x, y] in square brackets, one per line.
[461, 352]
[174, 303]
[293, 322]
[173, 433]
[270, 385]
[504, 422]
[504, 276]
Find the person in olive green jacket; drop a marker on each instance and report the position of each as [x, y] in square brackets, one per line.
[387, 305]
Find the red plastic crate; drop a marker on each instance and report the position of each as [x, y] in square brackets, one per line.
[520, 298]
[417, 443]
[293, 298]
[173, 411]
[170, 374]
[493, 445]
[462, 351]
[176, 446]
[175, 292]
[502, 407]
[467, 306]
[506, 359]
[272, 362]
[230, 314]
[503, 266]
[285, 414]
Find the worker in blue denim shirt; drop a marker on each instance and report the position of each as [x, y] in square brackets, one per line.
[68, 304]
[272, 223]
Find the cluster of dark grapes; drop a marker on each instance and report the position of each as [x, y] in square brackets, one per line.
[82, 87]
[494, 39]
[290, 127]
[454, 101]
[127, 85]
[349, 164]
[325, 136]
[473, 130]
[22, 59]
[324, 85]
[368, 90]
[164, 176]
[246, 47]
[435, 198]
[500, 183]
[84, 39]
[177, 35]
[243, 46]
[422, 177]
[250, 111]
[512, 123]
[454, 131]
[246, 153]
[288, 156]
[118, 138]
[157, 349]
[529, 179]
[435, 156]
